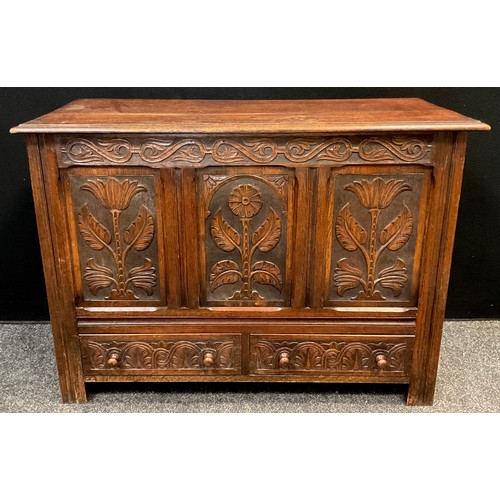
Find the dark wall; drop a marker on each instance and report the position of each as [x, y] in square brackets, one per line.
[475, 275]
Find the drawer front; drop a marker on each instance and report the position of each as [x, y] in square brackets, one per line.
[331, 355]
[172, 354]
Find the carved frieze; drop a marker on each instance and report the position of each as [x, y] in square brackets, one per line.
[166, 150]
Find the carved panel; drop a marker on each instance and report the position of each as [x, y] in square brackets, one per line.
[203, 151]
[117, 236]
[170, 354]
[374, 238]
[319, 355]
[245, 238]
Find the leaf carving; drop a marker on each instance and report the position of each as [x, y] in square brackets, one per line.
[346, 277]
[224, 272]
[97, 277]
[185, 355]
[138, 356]
[397, 232]
[143, 277]
[225, 353]
[268, 234]
[141, 232]
[94, 233]
[393, 277]
[97, 354]
[224, 236]
[267, 273]
[348, 230]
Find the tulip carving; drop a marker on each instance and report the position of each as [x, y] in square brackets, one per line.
[115, 196]
[374, 196]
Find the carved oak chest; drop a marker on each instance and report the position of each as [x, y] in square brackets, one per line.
[247, 240]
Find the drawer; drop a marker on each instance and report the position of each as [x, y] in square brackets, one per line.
[165, 354]
[331, 355]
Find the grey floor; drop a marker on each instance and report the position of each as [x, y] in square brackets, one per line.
[468, 381]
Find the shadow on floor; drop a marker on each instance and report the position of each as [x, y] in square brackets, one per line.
[242, 388]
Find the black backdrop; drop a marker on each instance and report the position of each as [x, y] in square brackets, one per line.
[475, 275]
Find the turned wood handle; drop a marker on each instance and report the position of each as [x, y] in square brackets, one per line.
[113, 360]
[208, 359]
[381, 362]
[284, 360]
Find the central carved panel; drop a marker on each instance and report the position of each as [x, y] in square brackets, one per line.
[245, 239]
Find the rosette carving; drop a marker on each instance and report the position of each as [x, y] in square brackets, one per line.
[245, 201]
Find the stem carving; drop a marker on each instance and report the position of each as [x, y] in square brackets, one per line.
[245, 201]
[374, 196]
[116, 197]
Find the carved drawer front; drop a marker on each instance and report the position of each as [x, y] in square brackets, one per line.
[168, 354]
[378, 228]
[331, 354]
[117, 230]
[245, 219]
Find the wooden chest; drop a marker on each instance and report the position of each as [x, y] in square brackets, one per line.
[247, 240]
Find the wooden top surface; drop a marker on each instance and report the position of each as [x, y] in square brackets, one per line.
[262, 117]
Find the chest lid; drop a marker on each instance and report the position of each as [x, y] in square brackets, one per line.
[249, 116]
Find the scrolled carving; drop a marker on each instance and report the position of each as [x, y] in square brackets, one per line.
[213, 181]
[258, 150]
[301, 150]
[155, 151]
[402, 148]
[89, 151]
[335, 356]
[233, 149]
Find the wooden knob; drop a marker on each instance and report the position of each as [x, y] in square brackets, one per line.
[113, 360]
[284, 360]
[381, 362]
[208, 359]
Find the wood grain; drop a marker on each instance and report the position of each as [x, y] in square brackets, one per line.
[60, 276]
[430, 316]
[212, 116]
